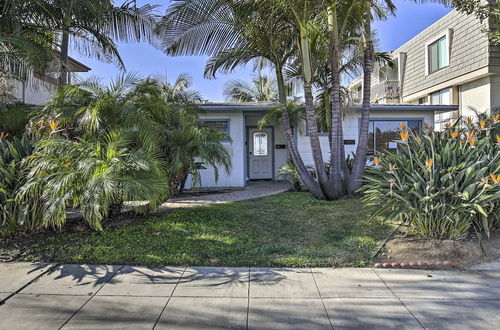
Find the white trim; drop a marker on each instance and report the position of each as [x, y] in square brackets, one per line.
[447, 33]
[477, 74]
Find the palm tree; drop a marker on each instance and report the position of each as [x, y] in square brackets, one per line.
[32, 31]
[25, 47]
[371, 7]
[161, 117]
[94, 173]
[260, 89]
[234, 33]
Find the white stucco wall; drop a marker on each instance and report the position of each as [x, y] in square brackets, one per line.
[236, 149]
[37, 93]
[477, 94]
[495, 92]
[351, 129]
[238, 123]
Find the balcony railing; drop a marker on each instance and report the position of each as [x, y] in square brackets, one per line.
[386, 91]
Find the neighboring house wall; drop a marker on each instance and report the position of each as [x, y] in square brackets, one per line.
[468, 52]
[36, 93]
[470, 75]
[42, 87]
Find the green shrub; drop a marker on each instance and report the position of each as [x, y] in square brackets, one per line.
[13, 120]
[444, 183]
[289, 173]
[12, 156]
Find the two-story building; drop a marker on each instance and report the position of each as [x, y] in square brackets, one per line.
[452, 62]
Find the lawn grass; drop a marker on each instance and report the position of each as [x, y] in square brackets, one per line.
[286, 230]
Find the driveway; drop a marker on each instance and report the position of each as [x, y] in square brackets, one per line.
[45, 296]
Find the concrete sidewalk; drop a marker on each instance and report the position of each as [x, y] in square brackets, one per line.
[42, 296]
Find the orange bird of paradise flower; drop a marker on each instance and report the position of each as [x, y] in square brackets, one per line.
[404, 136]
[496, 117]
[497, 138]
[391, 167]
[401, 125]
[482, 124]
[469, 121]
[53, 125]
[495, 178]
[429, 163]
[472, 141]
[376, 161]
[454, 134]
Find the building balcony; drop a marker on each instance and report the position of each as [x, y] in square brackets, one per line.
[386, 91]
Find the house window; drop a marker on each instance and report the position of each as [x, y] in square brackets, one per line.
[220, 125]
[382, 134]
[437, 54]
[442, 97]
[422, 100]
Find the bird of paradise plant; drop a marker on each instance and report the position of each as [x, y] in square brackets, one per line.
[448, 193]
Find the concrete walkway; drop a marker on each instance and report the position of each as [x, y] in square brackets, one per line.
[252, 190]
[42, 296]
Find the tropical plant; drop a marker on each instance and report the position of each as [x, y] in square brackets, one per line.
[13, 155]
[261, 88]
[33, 33]
[91, 173]
[100, 145]
[289, 173]
[442, 183]
[284, 33]
[26, 43]
[13, 119]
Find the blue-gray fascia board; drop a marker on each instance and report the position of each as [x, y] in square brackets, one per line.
[373, 107]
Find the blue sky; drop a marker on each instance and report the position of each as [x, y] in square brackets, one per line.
[410, 19]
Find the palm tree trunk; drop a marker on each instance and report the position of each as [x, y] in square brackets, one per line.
[312, 129]
[312, 124]
[306, 177]
[63, 71]
[337, 153]
[360, 159]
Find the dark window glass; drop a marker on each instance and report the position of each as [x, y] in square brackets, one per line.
[221, 125]
[382, 134]
[438, 55]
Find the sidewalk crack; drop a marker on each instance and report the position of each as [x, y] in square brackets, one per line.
[321, 298]
[170, 297]
[49, 270]
[95, 293]
[397, 297]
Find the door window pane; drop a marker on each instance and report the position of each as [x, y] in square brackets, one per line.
[260, 144]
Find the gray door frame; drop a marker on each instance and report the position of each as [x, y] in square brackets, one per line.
[247, 154]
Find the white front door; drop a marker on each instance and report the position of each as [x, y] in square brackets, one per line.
[260, 153]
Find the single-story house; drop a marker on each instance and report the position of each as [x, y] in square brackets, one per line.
[258, 154]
